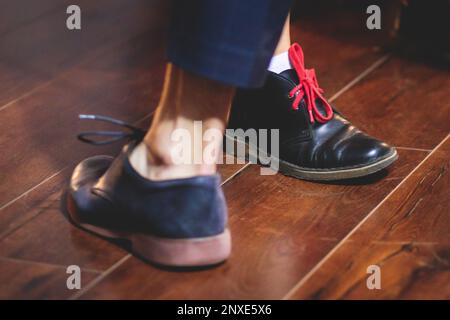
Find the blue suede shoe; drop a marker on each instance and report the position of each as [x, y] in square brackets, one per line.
[181, 222]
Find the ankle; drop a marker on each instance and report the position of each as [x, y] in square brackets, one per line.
[156, 162]
[192, 110]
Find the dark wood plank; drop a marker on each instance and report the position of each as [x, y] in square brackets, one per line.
[41, 138]
[407, 236]
[408, 271]
[123, 70]
[35, 53]
[336, 61]
[405, 103]
[32, 203]
[86, 68]
[23, 280]
[280, 229]
[124, 83]
[18, 13]
[50, 238]
[345, 21]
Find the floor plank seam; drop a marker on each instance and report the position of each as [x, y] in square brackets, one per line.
[32, 188]
[6, 233]
[58, 172]
[361, 76]
[26, 94]
[414, 149]
[60, 76]
[31, 262]
[94, 282]
[235, 174]
[338, 245]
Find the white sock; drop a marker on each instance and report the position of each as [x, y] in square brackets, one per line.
[280, 63]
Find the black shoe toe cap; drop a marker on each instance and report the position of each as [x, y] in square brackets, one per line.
[362, 150]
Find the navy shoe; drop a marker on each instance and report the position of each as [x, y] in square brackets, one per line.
[180, 222]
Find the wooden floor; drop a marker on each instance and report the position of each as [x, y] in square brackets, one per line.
[292, 239]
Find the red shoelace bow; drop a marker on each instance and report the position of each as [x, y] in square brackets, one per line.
[308, 87]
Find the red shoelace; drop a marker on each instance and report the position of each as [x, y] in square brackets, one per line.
[308, 87]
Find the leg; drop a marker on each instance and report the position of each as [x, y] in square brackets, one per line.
[285, 39]
[176, 214]
[186, 98]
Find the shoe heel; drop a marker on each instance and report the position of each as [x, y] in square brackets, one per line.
[183, 252]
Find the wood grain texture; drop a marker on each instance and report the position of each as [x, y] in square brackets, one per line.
[336, 61]
[18, 13]
[50, 238]
[407, 236]
[405, 103]
[32, 203]
[24, 280]
[280, 229]
[37, 50]
[40, 129]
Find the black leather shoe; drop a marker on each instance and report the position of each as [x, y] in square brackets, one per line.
[180, 222]
[315, 141]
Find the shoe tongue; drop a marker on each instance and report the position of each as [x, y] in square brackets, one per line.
[291, 75]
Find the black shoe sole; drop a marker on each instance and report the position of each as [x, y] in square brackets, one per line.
[331, 174]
